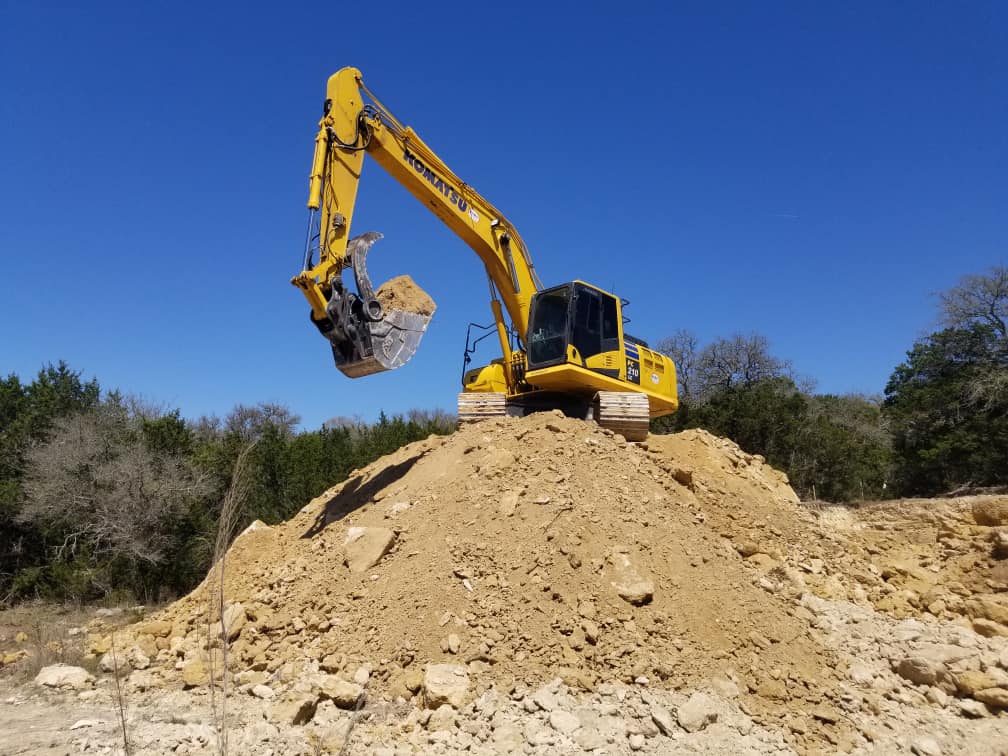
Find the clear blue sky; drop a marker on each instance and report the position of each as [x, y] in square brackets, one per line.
[812, 173]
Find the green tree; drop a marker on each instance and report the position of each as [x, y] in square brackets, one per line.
[844, 450]
[945, 433]
[27, 414]
[830, 447]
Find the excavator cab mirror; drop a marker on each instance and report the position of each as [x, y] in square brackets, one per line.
[372, 331]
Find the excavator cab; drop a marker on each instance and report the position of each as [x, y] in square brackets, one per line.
[572, 315]
[370, 331]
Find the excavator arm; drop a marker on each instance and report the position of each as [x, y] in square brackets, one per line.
[365, 338]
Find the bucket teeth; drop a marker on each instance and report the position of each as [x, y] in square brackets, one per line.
[365, 339]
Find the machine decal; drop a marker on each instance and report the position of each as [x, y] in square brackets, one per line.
[631, 350]
[440, 185]
[633, 371]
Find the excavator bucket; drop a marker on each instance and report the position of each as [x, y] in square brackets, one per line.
[371, 331]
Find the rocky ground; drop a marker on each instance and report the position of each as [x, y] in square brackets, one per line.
[538, 585]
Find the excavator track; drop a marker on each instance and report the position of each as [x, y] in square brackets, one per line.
[624, 412]
[483, 405]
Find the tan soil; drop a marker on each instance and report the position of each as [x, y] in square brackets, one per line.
[907, 558]
[522, 589]
[402, 293]
[509, 535]
[924, 556]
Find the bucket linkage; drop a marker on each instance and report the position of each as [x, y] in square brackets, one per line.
[365, 339]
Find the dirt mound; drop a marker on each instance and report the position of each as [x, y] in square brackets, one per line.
[403, 293]
[942, 557]
[528, 549]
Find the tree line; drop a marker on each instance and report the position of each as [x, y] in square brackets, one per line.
[104, 494]
[941, 424]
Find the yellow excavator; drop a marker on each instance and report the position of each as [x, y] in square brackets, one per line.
[563, 347]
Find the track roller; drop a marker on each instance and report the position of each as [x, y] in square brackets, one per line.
[481, 405]
[624, 412]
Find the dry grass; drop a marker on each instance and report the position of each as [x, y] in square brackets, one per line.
[216, 630]
[41, 633]
[122, 705]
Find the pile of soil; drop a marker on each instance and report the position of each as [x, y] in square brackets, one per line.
[531, 548]
[403, 293]
[941, 558]
[945, 558]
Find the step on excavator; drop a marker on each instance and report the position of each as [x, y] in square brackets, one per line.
[563, 347]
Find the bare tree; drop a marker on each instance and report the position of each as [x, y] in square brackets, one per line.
[98, 485]
[978, 299]
[436, 416]
[740, 360]
[683, 347]
[344, 421]
[249, 423]
[207, 428]
[982, 300]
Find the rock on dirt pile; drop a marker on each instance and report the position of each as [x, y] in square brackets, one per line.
[522, 550]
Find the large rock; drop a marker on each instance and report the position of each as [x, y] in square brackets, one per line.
[508, 738]
[989, 628]
[999, 540]
[663, 719]
[973, 709]
[342, 693]
[943, 653]
[144, 679]
[64, 676]
[264, 692]
[195, 674]
[296, 709]
[157, 628]
[124, 660]
[234, 620]
[698, 712]
[110, 662]
[991, 511]
[968, 683]
[993, 608]
[445, 684]
[589, 739]
[508, 503]
[545, 698]
[631, 581]
[921, 670]
[996, 698]
[364, 547]
[137, 658]
[563, 721]
[925, 747]
[442, 719]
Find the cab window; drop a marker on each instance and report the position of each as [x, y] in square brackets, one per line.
[587, 337]
[548, 326]
[610, 324]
